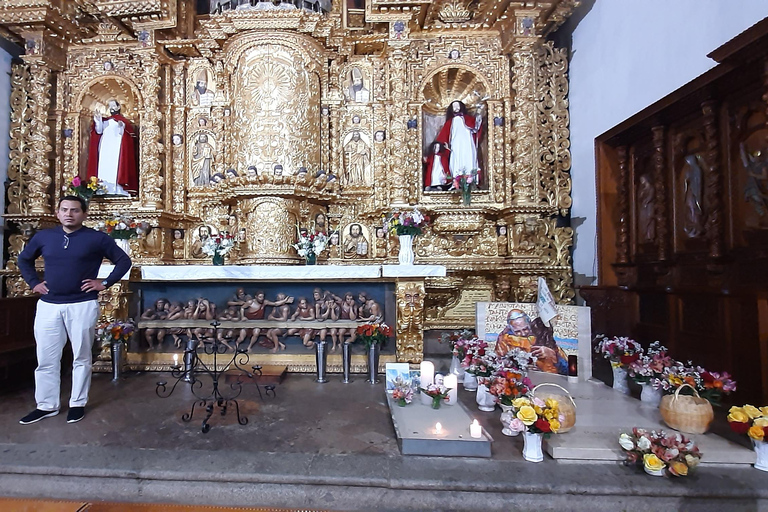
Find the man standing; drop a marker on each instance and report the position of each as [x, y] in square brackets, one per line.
[68, 307]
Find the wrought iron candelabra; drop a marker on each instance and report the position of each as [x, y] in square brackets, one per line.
[217, 395]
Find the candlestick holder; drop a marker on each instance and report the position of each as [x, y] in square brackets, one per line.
[204, 379]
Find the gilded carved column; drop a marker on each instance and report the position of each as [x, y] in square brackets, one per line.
[660, 178]
[410, 321]
[398, 144]
[622, 239]
[38, 166]
[713, 182]
[178, 120]
[150, 181]
[497, 170]
[526, 164]
[19, 140]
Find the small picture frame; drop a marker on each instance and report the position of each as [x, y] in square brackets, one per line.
[393, 371]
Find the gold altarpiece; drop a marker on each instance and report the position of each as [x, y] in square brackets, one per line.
[282, 95]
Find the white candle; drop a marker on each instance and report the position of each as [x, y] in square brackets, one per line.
[452, 383]
[438, 428]
[175, 359]
[475, 430]
[426, 378]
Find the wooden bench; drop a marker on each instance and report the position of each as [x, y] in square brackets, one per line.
[17, 340]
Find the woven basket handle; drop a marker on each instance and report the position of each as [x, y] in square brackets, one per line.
[567, 393]
[677, 391]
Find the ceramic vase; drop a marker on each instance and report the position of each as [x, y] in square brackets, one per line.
[124, 244]
[470, 382]
[761, 450]
[485, 400]
[653, 472]
[532, 447]
[405, 256]
[311, 259]
[507, 415]
[373, 363]
[218, 259]
[620, 380]
[457, 369]
[650, 395]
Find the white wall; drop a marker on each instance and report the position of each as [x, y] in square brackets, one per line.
[627, 54]
[5, 122]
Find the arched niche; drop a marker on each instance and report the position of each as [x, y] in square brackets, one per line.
[441, 88]
[95, 97]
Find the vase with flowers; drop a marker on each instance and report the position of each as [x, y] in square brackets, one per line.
[122, 228]
[457, 343]
[535, 418]
[438, 393]
[373, 335]
[506, 386]
[113, 337]
[218, 246]
[309, 244]
[648, 371]
[85, 189]
[402, 393]
[660, 453]
[753, 422]
[406, 225]
[621, 352]
[709, 385]
[465, 183]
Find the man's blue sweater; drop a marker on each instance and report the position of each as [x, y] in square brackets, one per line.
[69, 259]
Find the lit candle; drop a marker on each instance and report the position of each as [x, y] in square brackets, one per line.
[175, 359]
[452, 383]
[426, 378]
[438, 428]
[475, 430]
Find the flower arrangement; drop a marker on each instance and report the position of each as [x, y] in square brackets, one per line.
[123, 227]
[85, 189]
[119, 330]
[403, 392]
[517, 360]
[649, 367]
[218, 246]
[620, 350]
[507, 386]
[709, 385]
[437, 392]
[458, 342]
[657, 451]
[465, 183]
[310, 243]
[406, 223]
[749, 420]
[535, 415]
[478, 360]
[373, 334]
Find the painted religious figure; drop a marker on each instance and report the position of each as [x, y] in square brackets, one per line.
[534, 337]
[356, 91]
[355, 242]
[111, 152]
[460, 136]
[357, 157]
[202, 161]
[203, 94]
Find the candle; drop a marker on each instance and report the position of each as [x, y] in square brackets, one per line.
[175, 359]
[573, 368]
[452, 383]
[475, 430]
[438, 428]
[427, 373]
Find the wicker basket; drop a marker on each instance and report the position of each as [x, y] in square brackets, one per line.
[689, 414]
[565, 402]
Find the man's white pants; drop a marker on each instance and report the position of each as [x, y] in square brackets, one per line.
[53, 324]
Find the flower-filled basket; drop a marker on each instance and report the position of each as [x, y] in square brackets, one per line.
[565, 401]
[689, 414]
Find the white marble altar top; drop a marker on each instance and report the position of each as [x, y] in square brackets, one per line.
[285, 272]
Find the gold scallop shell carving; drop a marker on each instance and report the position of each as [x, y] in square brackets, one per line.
[451, 84]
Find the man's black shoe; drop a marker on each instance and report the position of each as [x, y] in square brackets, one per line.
[75, 414]
[36, 416]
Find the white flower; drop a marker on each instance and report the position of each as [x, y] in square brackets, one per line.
[121, 226]
[644, 443]
[626, 442]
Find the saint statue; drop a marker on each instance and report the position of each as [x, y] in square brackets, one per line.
[202, 161]
[203, 96]
[111, 152]
[693, 214]
[358, 160]
[646, 222]
[437, 173]
[355, 243]
[357, 92]
[460, 136]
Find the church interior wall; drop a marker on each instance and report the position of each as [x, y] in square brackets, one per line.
[625, 56]
[5, 122]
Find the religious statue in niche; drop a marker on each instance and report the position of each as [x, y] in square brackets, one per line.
[381, 242]
[177, 243]
[502, 240]
[333, 245]
[460, 136]
[112, 152]
[756, 187]
[204, 89]
[436, 171]
[357, 156]
[524, 237]
[355, 242]
[646, 222]
[203, 233]
[202, 161]
[693, 214]
[356, 91]
[321, 223]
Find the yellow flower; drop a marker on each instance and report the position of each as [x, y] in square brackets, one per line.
[517, 403]
[737, 414]
[653, 462]
[554, 425]
[764, 410]
[550, 415]
[756, 433]
[678, 468]
[761, 422]
[691, 461]
[94, 179]
[527, 415]
[551, 403]
[752, 411]
[538, 409]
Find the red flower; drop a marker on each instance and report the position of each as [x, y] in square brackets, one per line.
[629, 359]
[543, 425]
[738, 427]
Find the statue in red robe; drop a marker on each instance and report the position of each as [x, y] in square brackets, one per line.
[436, 173]
[111, 152]
[460, 135]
